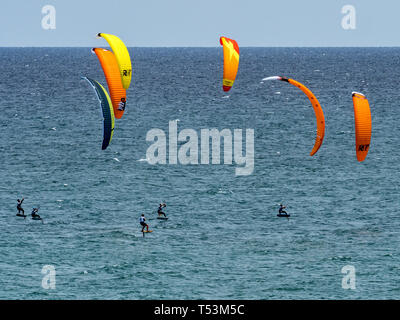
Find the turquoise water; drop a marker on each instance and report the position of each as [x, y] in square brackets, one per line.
[223, 239]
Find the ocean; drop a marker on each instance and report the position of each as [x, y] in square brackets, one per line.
[223, 239]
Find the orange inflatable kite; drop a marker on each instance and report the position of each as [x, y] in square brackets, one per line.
[231, 62]
[111, 72]
[319, 114]
[363, 124]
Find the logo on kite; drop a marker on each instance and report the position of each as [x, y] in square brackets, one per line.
[231, 62]
[319, 114]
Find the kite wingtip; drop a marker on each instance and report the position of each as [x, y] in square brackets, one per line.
[272, 78]
[355, 92]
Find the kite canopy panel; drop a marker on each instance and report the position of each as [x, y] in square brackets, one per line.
[363, 125]
[122, 55]
[231, 62]
[319, 114]
[111, 72]
[107, 109]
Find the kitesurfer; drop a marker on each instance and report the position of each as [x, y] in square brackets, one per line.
[159, 211]
[281, 211]
[143, 223]
[19, 208]
[34, 213]
[122, 104]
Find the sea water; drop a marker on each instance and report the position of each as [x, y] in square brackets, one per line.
[223, 239]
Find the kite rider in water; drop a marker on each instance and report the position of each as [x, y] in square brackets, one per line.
[159, 211]
[19, 208]
[281, 211]
[122, 104]
[143, 223]
[34, 213]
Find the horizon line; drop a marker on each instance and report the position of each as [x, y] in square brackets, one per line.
[166, 47]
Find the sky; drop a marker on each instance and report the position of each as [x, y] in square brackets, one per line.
[200, 23]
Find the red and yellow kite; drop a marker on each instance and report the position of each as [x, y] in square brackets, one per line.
[231, 62]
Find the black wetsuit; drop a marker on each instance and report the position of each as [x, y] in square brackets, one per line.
[34, 213]
[19, 208]
[281, 211]
[160, 212]
[143, 223]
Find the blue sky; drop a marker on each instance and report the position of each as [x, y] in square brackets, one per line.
[169, 23]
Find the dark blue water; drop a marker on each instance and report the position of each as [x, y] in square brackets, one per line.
[223, 239]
